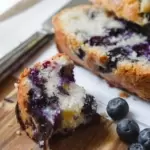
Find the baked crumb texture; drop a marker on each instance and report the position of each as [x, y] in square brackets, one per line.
[124, 94]
[137, 11]
[115, 49]
[50, 102]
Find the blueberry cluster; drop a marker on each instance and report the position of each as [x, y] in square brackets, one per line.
[127, 129]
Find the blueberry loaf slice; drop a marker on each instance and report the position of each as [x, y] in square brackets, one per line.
[50, 102]
[137, 11]
[115, 49]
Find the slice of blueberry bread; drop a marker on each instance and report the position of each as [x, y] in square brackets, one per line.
[115, 49]
[137, 11]
[50, 102]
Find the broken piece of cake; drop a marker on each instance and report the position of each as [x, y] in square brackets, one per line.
[50, 102]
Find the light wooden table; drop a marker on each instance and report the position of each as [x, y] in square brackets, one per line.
[6, 87]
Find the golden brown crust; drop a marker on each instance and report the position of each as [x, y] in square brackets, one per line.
[131, 76]
[128, 9]
[22, 98]
[123, 94]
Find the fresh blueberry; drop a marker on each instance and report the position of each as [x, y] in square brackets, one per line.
[63, 90]
[117, 108]
[128, 130]
[136, 146]
[144, 138]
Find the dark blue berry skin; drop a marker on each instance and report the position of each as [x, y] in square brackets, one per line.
[117, 108]
[136, 146]
[128, 130]
[144, 138]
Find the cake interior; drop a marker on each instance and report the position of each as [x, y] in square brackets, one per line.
[144, 6]
[118, 39]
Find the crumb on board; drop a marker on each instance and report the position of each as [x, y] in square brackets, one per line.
[2, 104]
[18, 132]
[8, 100]
[16, 85]
[10, 125]
[123, 94]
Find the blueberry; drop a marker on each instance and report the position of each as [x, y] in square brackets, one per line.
[128, 130]
[46, 64]
[144, 138]
[90, 106]
[141, 49]
[66, 72]
[116, 31]
[117, 108]
[136, 146]
[99, 40]
[96, 40]
[92, 14]
[81, 54]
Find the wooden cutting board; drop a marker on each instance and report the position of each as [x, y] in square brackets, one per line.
[97, 137]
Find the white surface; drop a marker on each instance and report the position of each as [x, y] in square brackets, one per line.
[6, 4]
[17, 29]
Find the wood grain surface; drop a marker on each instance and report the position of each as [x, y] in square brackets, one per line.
[97, 137]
